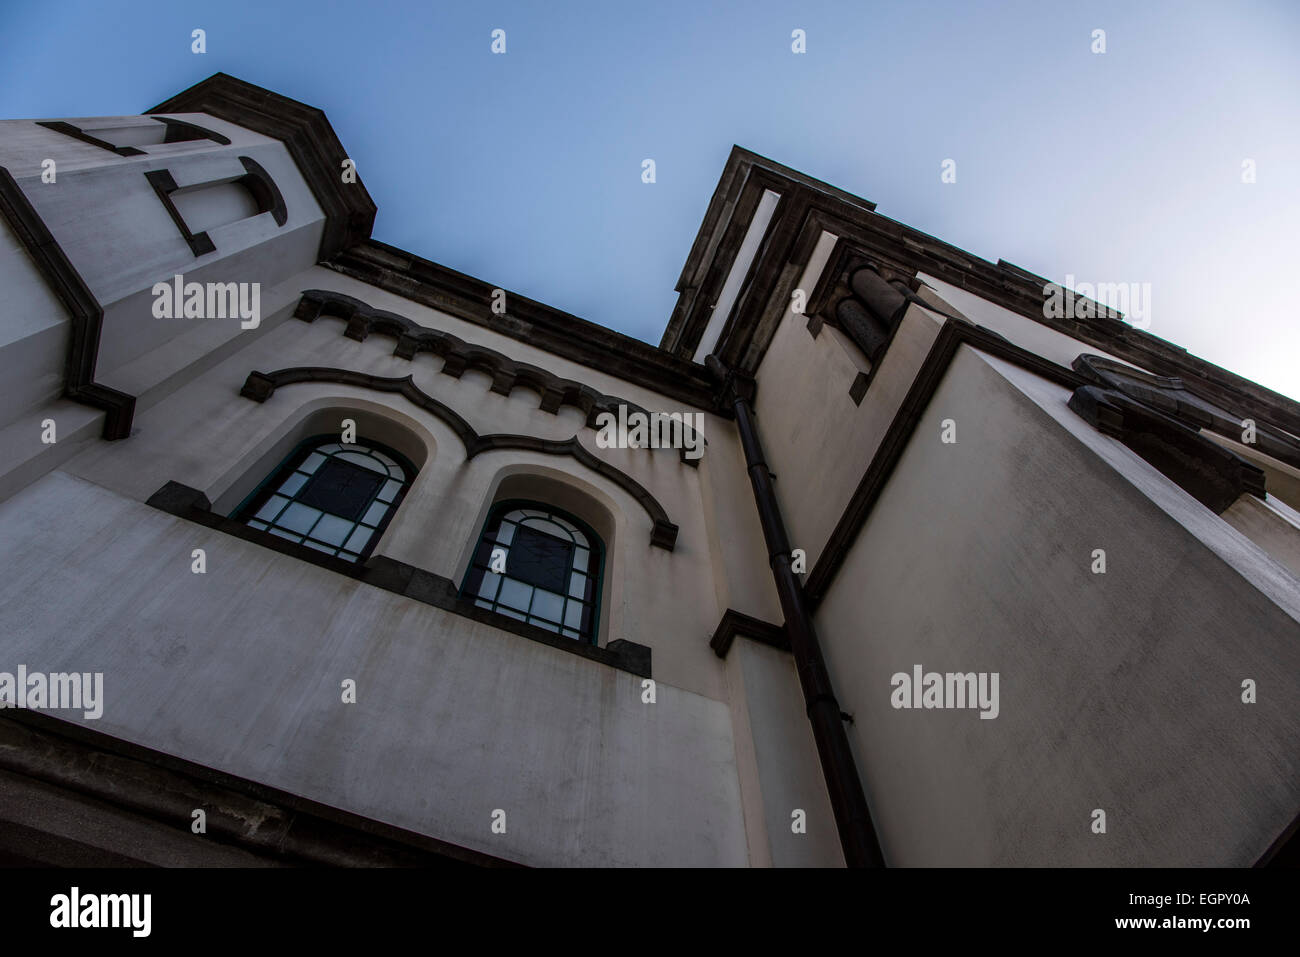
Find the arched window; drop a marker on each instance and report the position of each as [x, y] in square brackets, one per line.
[332, 497]
[539, 565]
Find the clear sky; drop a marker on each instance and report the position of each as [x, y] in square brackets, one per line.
[524, 169]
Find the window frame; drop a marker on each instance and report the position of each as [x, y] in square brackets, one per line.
[597, 550]
[270, 486]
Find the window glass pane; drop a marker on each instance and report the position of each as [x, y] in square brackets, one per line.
[539, 559]
[349, 556]
[546, 605]
[272, 508]
[573, 614]
[578, 585]
[283, 534]
[333, 447]
[319, 547]
[515, 594]
[313, 460]
[549, 528]
[375, 513]
[255, 524]
[332, 529]
[292, 483]
[298, 518]
[548, 581]
[389, 491]
[365, 461]
[341, 488]
[359, 538]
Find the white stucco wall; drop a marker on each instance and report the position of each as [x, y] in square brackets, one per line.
[1119, 691]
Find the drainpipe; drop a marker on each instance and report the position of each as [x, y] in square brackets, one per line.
[849, 803]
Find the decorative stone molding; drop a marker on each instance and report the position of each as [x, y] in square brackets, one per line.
[735, 623]
[459, 355]
[260, 386]
[86, 316]
[1207, 471]
[1171, 396]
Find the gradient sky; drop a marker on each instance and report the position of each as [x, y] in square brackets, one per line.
[524, 169]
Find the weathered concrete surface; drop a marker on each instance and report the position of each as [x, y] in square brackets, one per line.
[240, 669]
[1119, 691]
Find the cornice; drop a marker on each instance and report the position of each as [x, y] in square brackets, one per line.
[552, 330]
[309, 138]
[459, 355]
[809, 207]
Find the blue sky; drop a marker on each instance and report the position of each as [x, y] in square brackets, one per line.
[524, 169]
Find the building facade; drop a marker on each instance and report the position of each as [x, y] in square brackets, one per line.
[886, 554]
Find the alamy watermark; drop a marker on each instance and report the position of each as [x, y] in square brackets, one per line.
[55, 691]
[1080, 300]
[179, 299]
[656, 430]
[75, 909]
[948, 690]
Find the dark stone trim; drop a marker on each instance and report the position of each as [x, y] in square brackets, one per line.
[180, 131]
[67, 129]
[816, 207]
[952, 335]
[459, 355]
[397, 577]
[311, 142]
[1207, 471]
[86, 316]
[1172, 397]
[744, 178]
[859, 387]
[735, 623]
[559, 333]
[259, 182]
[696, 313]
[164, 185]
[260, 386]
[177, 131]
[240, 812]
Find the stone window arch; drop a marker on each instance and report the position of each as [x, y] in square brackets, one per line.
[540, 565]
[329, 496]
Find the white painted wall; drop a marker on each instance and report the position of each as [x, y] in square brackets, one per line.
[1118, 691]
